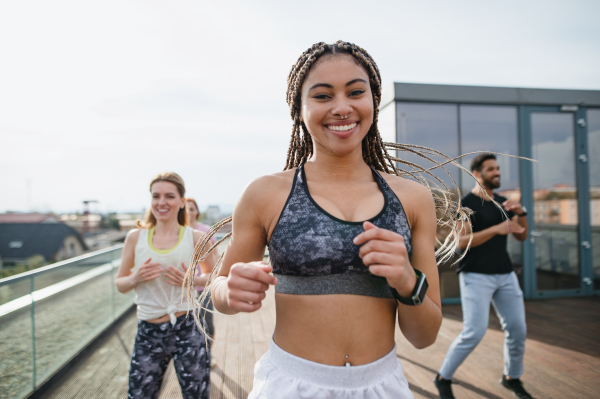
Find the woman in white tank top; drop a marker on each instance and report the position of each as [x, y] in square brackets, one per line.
[155, 259]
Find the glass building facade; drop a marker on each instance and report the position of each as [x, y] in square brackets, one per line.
[558, 129]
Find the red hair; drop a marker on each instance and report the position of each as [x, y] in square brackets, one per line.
[196, 205]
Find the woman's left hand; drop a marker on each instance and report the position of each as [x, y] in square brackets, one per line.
[384, 253]
[175, 276]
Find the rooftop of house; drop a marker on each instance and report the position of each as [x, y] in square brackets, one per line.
[28, 218]
[22, 240]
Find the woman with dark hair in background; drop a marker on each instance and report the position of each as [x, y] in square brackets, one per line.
[154, 264]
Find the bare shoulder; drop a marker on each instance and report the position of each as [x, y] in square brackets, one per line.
[407, 187]
[416, 199]
[132, 236]
[273, 182]
[131, 241]
[264, 190]
[265, 198]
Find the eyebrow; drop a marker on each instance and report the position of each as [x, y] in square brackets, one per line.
[327, 85]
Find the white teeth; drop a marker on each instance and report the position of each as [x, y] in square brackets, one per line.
[342, 128]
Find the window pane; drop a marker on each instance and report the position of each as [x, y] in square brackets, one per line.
[490, 128]
[495, 129]
[430, 125]
[434, 126]
[594, 164]
[555, 229]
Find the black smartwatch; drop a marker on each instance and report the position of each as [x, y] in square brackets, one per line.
[524, 212]
[418, 295]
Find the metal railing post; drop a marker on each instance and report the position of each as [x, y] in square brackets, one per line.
[112, 284]
[31, 289]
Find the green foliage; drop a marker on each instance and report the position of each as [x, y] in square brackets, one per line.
[35, 261]
[113, 223]
[110, 222]
[554, 195]
[8, 271]
[32, 263]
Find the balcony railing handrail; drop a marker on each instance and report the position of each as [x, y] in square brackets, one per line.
[56, 265]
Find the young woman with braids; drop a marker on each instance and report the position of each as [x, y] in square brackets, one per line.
[154, 264]
[350, 242]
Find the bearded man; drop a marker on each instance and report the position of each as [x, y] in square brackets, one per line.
[486, 276]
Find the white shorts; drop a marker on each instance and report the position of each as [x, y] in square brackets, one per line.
[279, 374]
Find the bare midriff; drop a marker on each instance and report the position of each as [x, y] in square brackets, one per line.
[164, 318]
[335, 329]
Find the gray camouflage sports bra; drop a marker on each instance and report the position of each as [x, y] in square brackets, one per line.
[312, 252]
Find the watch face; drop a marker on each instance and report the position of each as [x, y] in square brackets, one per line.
[420, 290]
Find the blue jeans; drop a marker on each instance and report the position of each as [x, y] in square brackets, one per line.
[477, 290]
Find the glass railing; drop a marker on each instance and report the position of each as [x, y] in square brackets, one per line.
[49, 314]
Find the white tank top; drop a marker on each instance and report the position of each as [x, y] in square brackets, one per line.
[155, 298]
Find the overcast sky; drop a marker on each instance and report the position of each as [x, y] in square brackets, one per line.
[98, 97]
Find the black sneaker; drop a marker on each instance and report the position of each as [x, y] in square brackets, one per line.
[516, 387]
[444, 387]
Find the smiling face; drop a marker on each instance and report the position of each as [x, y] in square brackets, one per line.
[337, 104]
[192, 211]
[166, 201]
[489, 176]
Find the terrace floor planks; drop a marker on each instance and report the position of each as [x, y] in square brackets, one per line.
[562, 357]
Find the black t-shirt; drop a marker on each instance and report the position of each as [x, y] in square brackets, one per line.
[490, 257]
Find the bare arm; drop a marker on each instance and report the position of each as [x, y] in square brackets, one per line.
[479, 237]
[517, 208]
[421, 324]
[243, 278]
[386, 255]
[522, 221]
[502, 228]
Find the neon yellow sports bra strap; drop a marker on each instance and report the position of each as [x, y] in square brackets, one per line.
[164, 251]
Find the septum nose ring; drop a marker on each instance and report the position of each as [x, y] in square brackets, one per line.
[345, 117]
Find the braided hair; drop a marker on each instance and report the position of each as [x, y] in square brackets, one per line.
[374, 150]
[450, 213]
[301, 147]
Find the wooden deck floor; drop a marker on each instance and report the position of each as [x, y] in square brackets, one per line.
[562, 356]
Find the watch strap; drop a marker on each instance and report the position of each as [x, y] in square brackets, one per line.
[418, 295]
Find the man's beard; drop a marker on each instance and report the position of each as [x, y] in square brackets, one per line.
[490, 184]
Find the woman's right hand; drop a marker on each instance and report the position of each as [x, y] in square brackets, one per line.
[147, 271]
[247, 283]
